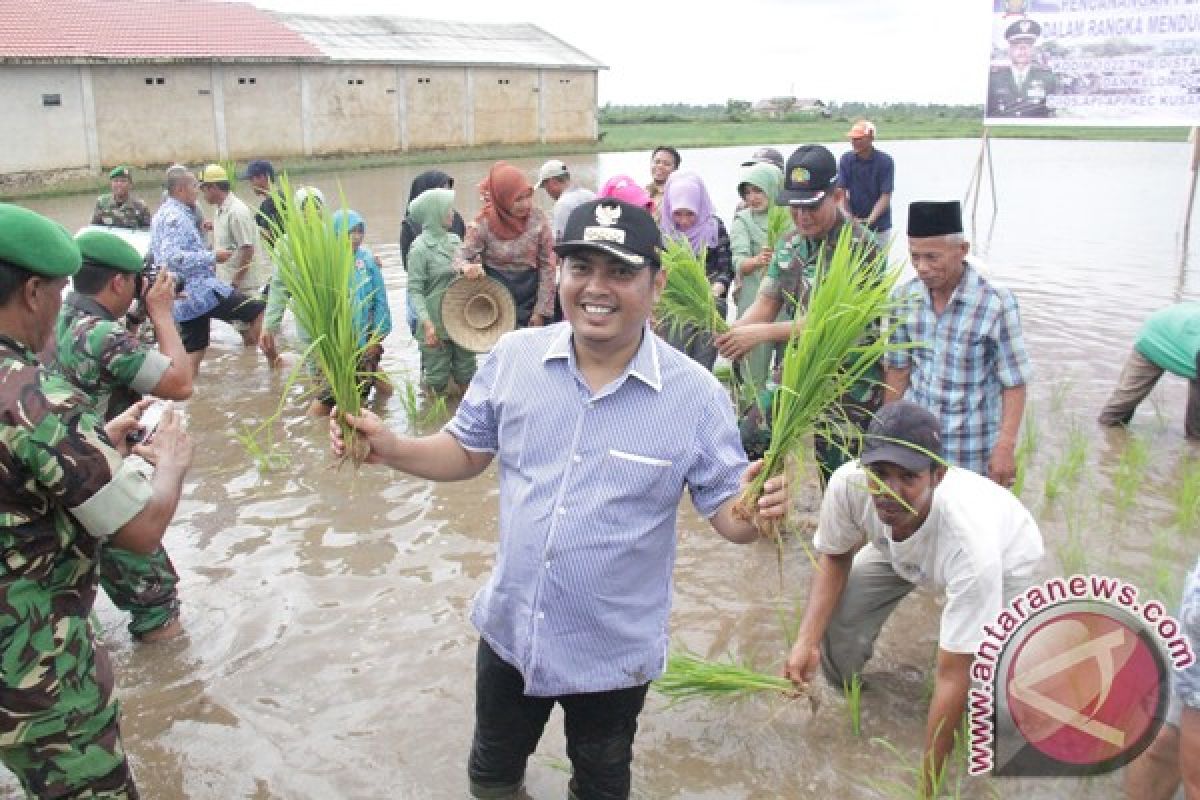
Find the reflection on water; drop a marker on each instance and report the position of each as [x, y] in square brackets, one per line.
[328, 653]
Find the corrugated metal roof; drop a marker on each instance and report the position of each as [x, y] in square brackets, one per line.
[145, 30]
[423, 41]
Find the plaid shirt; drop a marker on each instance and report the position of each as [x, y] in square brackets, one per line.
[967, 355]
[1187, 681]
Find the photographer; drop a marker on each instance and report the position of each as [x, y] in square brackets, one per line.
[96, 353]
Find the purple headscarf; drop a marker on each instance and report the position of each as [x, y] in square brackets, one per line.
[685, 190]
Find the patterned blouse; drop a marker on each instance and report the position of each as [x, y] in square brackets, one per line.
[534, 249]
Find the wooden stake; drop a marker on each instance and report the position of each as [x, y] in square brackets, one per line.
[1191, 199]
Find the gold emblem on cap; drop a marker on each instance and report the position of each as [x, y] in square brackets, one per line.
[800, 175]
[608, 215]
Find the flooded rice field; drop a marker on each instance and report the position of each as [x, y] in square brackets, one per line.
[328, 652]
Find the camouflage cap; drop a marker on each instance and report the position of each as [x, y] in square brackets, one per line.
[109, 250]
[121, 172]
[37, 244]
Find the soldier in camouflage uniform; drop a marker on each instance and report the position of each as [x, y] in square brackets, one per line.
[815, 201]
[120, 209]
[114, 369]
[66, 494]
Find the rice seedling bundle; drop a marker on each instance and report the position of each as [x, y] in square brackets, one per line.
[687, 298]
[316, 265]
[834, 346]
[688, 676]
[779, 222]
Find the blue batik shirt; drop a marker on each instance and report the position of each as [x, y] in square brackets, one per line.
[177, 246]
[589, 492]
[964, 358]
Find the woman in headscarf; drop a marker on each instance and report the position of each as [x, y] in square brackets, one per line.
[513, 242]
[410, 229]
[758, 186]
[627, 190]
[687, 215]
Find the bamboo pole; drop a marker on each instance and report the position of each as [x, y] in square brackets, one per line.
[1194, 138]
[975, 185]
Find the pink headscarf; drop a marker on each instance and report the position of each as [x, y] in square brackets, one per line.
[686, 190]
[626, 189]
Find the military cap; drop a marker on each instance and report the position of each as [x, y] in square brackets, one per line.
[1023, 29]
[121, 172]
[37, 244]
[109, 250]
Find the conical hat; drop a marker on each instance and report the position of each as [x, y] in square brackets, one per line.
[477, 312]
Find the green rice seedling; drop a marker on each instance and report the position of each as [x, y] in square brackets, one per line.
[1164, 580]
[789, 621]
[316, 264]
[1026, 447]
[259, 440]
[724, 373]
[231, 169]
[1072, 552]
[1059, 392]
[1067, 472]
[1187, 497]
[779, 223]
[1130, 472]
[832, 348]
[921, 780]
[419, 417]
[687, 298]
[852, 691]
[689, 676]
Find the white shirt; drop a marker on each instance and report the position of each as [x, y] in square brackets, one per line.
[976, 538]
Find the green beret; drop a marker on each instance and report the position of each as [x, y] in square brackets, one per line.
[109, 250]
[121, 172]
[30, 241]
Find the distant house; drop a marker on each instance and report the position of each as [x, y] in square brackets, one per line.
[778, 107]
[93, 83]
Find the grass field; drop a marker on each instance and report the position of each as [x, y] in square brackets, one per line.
[644, 136]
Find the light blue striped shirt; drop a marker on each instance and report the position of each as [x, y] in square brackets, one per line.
[589, 491]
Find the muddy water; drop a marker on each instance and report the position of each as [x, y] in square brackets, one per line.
[328, 652]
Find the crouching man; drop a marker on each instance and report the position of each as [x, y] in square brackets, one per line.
[895, 519]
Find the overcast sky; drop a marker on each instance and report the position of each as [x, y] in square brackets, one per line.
[928, 51]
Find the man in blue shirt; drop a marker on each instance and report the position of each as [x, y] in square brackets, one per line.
[598, 426]
[868, 176]
[965, 359]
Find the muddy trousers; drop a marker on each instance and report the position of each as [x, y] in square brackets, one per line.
[872, 591]
[80, 758]
[145, 585]
[1138, 378]
[600, 728]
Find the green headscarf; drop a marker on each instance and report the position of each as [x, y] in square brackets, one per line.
[763, 176]
[429, 210]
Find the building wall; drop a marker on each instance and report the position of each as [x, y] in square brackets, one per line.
[351, 108]
[37, 136]
[167, 120]
[569, 103]
[505, 105]
[262, 110]
[436, 100]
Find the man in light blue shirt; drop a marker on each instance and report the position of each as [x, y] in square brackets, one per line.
[598, 426]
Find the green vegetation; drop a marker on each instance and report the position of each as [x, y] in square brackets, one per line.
[1068, 471]
[418, 417]
[625, 128]
[919, 780]
[1187, 497]
[1026, 447]
[1129, 474]
[689, 676]
[852, 691]
[1072, 552]
[687, 298]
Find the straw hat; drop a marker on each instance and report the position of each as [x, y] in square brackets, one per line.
[477, 312]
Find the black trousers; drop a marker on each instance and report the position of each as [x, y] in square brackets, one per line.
[600, 727]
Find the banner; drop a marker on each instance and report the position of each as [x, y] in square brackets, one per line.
[1094, 62]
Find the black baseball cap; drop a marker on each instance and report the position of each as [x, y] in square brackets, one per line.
[259, 166]
[905, 434]
[810, 173]
[625, 231]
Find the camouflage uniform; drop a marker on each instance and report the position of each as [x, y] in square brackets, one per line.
[113, 368]
[63, 491]
[133, 213]
[790, 278]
